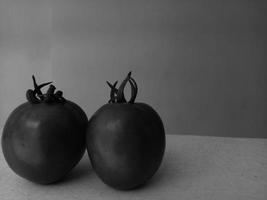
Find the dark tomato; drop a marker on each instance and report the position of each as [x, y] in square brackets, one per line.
[44, 138]
[125, 140]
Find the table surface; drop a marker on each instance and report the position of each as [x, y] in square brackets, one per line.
[194, 167]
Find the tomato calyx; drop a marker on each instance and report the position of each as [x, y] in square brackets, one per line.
[113, 92]
[36, 96]
[117, 95]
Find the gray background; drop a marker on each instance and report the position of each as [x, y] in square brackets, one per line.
[200, 64]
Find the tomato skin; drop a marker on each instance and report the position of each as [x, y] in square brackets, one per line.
[125, 143]
[43, 142]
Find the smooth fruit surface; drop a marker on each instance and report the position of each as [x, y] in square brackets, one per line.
[126, 143]
[43, 141]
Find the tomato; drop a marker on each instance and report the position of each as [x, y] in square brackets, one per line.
[44, 138]
[125, 140]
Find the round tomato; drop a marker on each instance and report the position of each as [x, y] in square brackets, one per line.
[44, 138]
[125, 140]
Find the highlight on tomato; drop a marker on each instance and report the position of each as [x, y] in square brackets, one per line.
[44, 138]
[125, 140]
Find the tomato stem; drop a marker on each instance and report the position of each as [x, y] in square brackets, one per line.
[113, 92]
[36, 95]
[37, 88]
[117, 95]
[133, 90]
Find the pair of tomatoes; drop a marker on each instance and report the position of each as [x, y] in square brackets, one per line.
[44, 138]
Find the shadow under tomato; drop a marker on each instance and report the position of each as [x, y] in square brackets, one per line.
[157, 180]
[169, 172]
[79, 172]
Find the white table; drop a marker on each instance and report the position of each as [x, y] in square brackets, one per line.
[194, 167]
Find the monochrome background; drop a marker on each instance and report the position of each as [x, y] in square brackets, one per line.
[201, 64]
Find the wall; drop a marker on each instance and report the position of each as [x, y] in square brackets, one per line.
[200, 64]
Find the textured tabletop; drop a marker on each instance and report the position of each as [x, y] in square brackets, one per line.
[194, 167]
